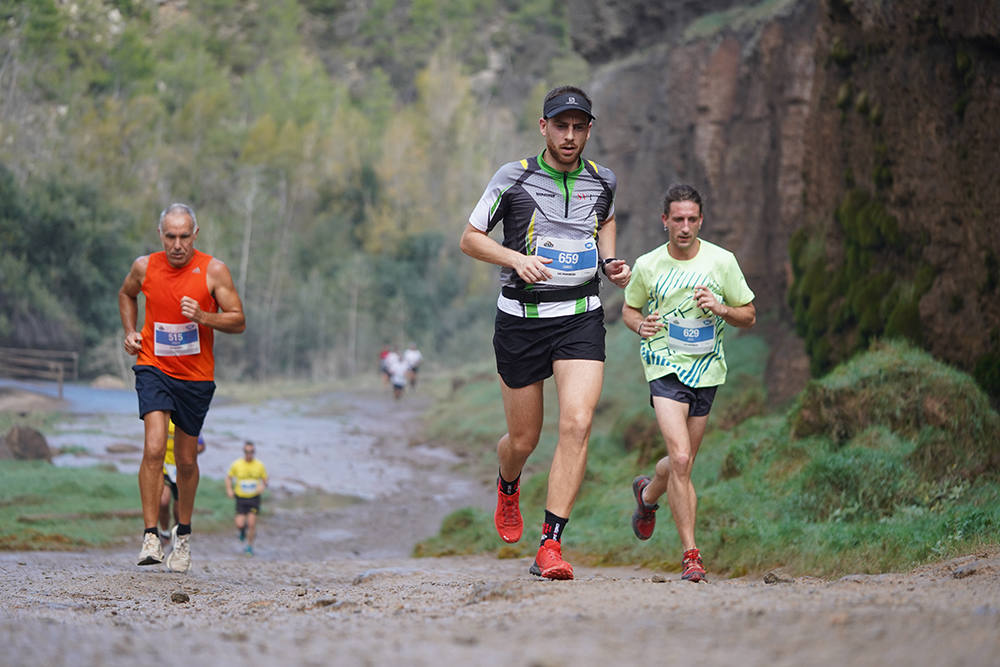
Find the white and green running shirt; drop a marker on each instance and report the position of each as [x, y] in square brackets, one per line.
[539, 205]
[666, 285]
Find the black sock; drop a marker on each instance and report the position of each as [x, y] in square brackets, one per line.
[553, 527]
[509, 488]
[154, 530]
[183, 529]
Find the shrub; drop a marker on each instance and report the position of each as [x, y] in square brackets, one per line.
[905, 389]
[855, 482]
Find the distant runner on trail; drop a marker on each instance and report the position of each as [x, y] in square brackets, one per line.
[388, 360]
[189, 295]
[691, 289]
[556, 211]
[246, 481]
[382, 357]
[399, 374]
[170, 485]
[413, 358]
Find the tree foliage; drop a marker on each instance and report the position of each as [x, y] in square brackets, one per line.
[331, 150]
[64, 249]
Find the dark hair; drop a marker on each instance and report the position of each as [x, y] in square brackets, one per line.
[681, 192]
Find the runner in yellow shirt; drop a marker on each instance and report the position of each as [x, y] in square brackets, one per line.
[170, 485]
[246, 481]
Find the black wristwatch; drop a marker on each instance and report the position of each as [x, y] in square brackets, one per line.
[604, 263]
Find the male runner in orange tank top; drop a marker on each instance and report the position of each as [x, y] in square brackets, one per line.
[188, 295]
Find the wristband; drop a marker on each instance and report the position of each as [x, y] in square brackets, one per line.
[604, 263]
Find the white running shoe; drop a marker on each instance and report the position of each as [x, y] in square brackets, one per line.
[152, 550]
[179, 559]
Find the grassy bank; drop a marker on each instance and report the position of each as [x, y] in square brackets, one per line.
[47, 507]
[890, 461]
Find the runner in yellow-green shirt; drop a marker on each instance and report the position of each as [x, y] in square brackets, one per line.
[691, 291]
[246, 481]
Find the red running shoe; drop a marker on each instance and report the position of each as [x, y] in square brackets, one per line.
[644, 517]
[549, 563]
[691, 567]
[507, 517]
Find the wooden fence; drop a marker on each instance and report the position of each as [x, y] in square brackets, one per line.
[26, 364]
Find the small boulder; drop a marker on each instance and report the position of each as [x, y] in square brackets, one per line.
[778, 577]
[27, 444]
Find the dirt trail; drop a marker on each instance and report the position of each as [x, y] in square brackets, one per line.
[335, 586]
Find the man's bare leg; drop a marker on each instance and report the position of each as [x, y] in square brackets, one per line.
[251, 528]
[524, 409]
[165, 498]
[151, 469]
[186, 455]
[578, 383]
[682, 435]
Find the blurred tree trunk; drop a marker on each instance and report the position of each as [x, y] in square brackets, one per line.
[269, 303]
[352, 329]
[249, 208]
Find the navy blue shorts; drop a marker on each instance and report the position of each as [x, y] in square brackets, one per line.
[525, 347]
[699, 399]
[187, 401]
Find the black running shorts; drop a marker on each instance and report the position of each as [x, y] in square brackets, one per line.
[170, 484]
[248, 505]
[525, 347]
[186, 400]
[699, 399]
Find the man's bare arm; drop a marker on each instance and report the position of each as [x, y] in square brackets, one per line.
[230, 318]
[128, 303]
[476, 244]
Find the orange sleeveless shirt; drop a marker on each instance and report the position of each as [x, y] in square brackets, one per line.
[177, 346]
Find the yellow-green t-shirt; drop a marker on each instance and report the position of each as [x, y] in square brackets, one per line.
[666, 285]
[247, 474]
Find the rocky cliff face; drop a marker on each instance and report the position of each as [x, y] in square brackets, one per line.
[905, 106]
[775, 111]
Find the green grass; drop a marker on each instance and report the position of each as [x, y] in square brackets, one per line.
[47, 507]
[37, 420]
[890, 461]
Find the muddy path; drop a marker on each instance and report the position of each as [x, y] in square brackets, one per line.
[333, 584]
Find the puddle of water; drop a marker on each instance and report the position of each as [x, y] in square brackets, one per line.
[81, 398]
[330, 443]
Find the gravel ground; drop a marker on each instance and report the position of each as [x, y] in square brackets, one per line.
[335, 586]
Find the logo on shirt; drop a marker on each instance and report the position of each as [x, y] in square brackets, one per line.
[197, 269]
